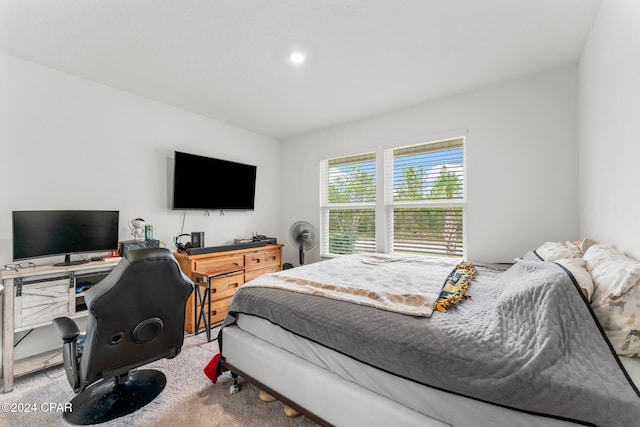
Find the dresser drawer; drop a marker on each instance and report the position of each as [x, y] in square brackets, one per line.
[256, 273]
[220, 309]
[210, 263]
[221, 287]
[262, 259]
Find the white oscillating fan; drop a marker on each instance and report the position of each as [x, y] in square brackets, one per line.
[305, 237]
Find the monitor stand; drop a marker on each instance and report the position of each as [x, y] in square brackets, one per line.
[67, 261]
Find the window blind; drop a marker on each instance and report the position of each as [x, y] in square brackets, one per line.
[348, 204]
[352, 179]
[426, 191]
[429, 171]
[423, 207]
[351, 231]
[428, 231]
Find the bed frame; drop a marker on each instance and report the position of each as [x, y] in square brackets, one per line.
[329, 399]
[314, 392]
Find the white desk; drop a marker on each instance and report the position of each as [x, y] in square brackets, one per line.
[32, 298]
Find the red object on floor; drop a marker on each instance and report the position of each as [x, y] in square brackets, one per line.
[211, 370]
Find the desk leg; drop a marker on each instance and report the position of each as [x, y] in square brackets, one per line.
[197, 297]
[7, 335]
[205, 303]
[208, 323]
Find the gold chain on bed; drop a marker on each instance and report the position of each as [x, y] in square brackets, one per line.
[455, 286]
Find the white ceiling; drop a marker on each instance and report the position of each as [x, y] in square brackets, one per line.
[226, 59]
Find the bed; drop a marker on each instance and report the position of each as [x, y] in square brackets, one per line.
[527, 348]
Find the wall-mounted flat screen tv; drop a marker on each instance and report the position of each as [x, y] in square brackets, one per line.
[207, 183]
[44, 233]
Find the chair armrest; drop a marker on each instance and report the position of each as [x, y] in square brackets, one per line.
[69, 332]
[68, 329]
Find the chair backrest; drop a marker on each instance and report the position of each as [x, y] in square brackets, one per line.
[136, 315]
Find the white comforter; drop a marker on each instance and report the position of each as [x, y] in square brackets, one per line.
[398, 283]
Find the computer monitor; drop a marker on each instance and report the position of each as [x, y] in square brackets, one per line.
[42, 233]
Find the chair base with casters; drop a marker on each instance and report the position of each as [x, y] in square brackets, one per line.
[116, 397]
[118, 393]
[135, 316]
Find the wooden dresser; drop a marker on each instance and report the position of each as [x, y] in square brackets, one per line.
[248, 264]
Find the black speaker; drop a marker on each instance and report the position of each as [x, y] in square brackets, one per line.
[197, 239]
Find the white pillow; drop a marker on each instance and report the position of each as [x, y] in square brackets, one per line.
[620, 319]
[616, 298]
[552, 251]
[611, 269]
[584, 244]
[578, 269]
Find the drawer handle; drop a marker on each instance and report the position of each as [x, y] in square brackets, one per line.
[233, 273]
[229, 286]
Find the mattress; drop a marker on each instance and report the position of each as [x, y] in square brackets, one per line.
[527, 343]
[330, 399]
[446, 407]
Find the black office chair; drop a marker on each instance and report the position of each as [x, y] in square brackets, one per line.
[136, 316]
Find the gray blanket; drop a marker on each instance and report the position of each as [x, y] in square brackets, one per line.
[526, 340]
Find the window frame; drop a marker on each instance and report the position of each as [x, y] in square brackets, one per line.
[384, 205]
[326, 207]
[390, 204]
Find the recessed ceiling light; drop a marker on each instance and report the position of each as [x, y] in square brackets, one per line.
[297, 57]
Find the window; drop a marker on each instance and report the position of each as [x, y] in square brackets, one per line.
[423, 207]
[348, 205]
[424, 196]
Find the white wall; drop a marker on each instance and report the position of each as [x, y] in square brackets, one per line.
[68, 143]
[522, 170]
[609, 111]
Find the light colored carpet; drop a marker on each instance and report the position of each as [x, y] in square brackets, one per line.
[189, 399]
